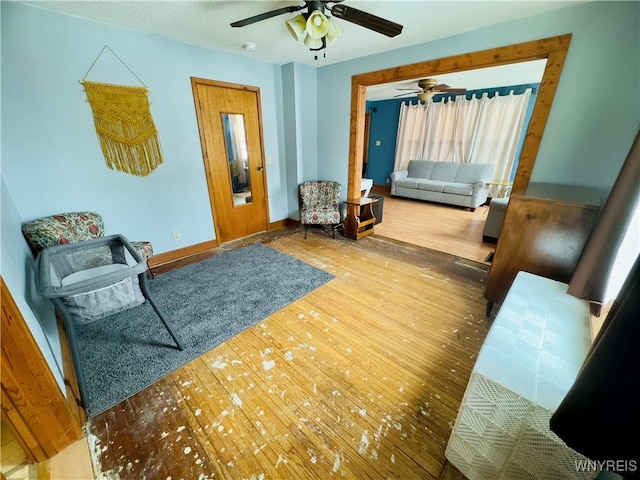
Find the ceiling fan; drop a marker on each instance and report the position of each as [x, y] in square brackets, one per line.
[315, 25]
[428, 87]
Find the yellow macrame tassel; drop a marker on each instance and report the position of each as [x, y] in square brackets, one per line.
[125, 128]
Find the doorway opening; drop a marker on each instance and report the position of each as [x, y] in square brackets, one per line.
[450, 127]
[553, 50]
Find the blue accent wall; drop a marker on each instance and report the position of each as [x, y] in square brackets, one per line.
[383, 128]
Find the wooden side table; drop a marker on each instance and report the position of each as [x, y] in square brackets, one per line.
[360, 217]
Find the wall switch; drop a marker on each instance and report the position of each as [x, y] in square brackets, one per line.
[176, 235]
[378, 142]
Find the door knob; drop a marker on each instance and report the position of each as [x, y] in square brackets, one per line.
[260, 168]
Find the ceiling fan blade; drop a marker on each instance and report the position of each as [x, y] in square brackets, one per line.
[444, 88]
[412, 89]
[410, 93]
[366, 20]
[264, 16]
[452, 90]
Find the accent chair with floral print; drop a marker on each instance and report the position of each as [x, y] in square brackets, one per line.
[319, 204]
[70, 227]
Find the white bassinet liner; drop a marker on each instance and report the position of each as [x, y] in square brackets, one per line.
[93, 279]
[102, 302]
[79, 268]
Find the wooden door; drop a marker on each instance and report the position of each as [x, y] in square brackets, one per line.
[230, 125]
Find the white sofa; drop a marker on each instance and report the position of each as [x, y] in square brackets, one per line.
[461, 184]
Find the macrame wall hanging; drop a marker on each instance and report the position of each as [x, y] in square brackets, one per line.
[125, 127]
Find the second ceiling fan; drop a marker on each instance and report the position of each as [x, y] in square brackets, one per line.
[315, 25]
[428, 87]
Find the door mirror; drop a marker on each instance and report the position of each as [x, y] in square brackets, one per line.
[238, 157]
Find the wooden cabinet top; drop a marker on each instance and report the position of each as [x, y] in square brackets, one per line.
[570, 194]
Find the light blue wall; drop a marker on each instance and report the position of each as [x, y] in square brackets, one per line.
[51, 158]
[307, 120]
[17, 272]
[589, 130]
[300, 128]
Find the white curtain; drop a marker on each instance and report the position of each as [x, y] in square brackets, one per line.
[471, 113]
[410, 138]
[475, 130]
[498, 132]
[441, 124]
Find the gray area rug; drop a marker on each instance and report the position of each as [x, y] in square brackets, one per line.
[207, 303]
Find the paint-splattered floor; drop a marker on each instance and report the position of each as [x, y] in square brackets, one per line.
[361, 378]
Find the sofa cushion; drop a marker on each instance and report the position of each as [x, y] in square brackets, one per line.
[431, 185]
[407, 182]
[459, 188]
[444, 171]
[420, 168]
[472, 172]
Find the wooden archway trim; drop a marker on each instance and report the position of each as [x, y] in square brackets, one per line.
[553, 49]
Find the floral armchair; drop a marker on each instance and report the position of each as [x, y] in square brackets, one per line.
[319, 204]
[70, 227]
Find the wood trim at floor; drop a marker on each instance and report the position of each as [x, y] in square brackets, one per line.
[167, 261]
[281, 224]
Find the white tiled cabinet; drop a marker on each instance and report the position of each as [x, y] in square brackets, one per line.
[525, 367]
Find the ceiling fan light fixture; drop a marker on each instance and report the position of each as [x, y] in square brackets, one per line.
[313, 43]
[427, 83]
[317, 24]
[425, 96]
[334, 31]
[297, 27]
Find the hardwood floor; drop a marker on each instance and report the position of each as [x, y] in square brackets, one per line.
[361, 378]
[444, 228]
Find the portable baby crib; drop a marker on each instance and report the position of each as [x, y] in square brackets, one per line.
[90, 280]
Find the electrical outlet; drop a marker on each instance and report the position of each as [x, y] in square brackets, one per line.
[388, 180]
[176, 235]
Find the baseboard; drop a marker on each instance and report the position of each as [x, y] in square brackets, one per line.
[166, 261]
[285, 223]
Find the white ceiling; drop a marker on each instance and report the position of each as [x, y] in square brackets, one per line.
[206, 23]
